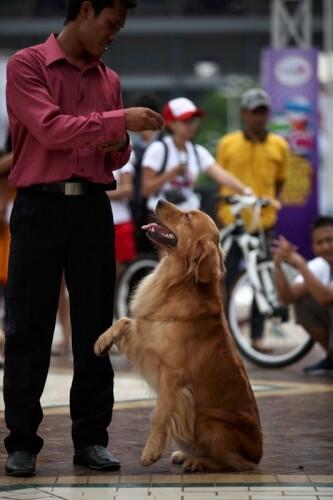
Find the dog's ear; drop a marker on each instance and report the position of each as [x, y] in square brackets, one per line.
[206, 261]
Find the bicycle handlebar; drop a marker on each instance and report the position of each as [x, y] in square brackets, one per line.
[249, 200]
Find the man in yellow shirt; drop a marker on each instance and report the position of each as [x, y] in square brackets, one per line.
[259, 159]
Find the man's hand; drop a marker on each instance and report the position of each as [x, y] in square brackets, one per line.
[284, 250]
[140, 119]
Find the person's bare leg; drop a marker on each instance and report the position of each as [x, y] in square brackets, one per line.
[319, 334]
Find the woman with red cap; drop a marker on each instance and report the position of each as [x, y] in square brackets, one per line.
[171, 166]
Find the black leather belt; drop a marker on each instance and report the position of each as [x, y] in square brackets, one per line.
[71, 187]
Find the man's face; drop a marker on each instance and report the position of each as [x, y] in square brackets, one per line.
[322, 243]
[256, 120]
[97, 32]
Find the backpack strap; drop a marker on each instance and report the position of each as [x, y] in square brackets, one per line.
[197, 157]
[165, 156]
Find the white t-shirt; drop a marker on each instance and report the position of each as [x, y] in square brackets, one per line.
[153, 158]
[120, 208]
[320, 268]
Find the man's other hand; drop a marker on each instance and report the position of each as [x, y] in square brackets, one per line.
[282, 250]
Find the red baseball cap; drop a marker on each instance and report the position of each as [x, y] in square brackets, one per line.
[180, 108]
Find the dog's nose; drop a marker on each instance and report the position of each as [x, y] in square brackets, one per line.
[160, 203]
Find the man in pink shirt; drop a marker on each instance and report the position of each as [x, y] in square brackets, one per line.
[69, 131]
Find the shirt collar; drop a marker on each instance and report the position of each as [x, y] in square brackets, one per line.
[260, 139]
[54, 52]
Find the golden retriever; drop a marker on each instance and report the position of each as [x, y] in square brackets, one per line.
[179, 341]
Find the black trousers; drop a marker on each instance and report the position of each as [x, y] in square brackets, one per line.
[52, 233]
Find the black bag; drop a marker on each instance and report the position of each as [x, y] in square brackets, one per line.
[175, 196]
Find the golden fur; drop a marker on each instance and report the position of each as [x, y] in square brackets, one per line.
[179, 341]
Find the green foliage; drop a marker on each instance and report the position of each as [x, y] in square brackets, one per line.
[222, 114]
[214, 123]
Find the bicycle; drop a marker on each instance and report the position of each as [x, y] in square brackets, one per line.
[128, 280]
[286, 341]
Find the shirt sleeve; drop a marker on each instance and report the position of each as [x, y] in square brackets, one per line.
[153, 156]
[206, 159]
[319, 268]
[30, 101]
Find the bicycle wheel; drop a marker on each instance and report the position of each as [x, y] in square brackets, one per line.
[283, 341]
[129, 279]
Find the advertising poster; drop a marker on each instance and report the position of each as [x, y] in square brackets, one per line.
[289, 75]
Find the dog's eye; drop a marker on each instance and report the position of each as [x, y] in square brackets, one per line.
[187, 216]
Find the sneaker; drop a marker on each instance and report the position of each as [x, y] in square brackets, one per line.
[323, 367]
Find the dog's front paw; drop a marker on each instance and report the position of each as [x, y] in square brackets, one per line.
[153, 449]
[148, 457]
[103, 344]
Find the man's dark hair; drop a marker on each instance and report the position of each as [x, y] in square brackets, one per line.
[321, 221]
[74, 6]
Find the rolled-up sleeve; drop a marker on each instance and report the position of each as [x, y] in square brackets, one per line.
[30, 101]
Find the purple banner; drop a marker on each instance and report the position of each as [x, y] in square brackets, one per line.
[289, 75]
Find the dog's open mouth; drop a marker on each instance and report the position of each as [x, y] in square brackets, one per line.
[160, 234]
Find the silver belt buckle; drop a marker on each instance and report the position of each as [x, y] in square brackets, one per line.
[74, 188]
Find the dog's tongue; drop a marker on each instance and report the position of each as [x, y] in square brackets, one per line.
[153, 227]
[157, 230]
[148, 227]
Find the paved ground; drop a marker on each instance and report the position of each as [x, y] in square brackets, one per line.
[296, 415]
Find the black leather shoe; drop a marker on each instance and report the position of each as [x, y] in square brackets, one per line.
[21, 464]
[96, 457]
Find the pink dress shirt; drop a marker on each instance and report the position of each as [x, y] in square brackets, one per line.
[58, 113]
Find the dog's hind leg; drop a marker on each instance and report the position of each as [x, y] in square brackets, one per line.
[113, 335]
[178, 457]
[200, 464]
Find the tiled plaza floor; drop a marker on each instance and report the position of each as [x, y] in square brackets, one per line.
[296, 415]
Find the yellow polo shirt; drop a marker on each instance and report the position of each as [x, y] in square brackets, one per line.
[259, 165]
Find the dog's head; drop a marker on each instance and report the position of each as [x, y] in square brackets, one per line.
[191, 237]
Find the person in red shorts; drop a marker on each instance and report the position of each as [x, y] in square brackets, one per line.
[122, 217]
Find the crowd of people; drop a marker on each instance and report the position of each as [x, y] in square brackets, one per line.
[166, 164]
[71, 145]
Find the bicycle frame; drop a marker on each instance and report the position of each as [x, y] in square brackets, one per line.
[254, 249]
